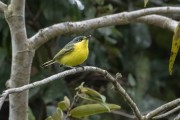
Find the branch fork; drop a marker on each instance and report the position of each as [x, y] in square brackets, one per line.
[153, 114]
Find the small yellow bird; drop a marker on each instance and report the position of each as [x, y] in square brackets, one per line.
[74, 53]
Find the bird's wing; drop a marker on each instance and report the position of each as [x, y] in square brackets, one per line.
[67, 49]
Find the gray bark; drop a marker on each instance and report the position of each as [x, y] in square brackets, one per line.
[22, 57]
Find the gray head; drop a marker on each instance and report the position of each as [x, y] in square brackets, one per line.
[80, 38]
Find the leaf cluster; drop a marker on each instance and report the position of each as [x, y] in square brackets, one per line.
[99, 105]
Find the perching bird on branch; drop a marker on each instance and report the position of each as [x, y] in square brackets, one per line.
[74, 53]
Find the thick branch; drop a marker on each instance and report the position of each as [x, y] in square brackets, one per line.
[2, 7]
[74, 71]
[21, 60]
[160, 21]
[115, 19]
[18, 7]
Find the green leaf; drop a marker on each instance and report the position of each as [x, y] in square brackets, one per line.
[145, 2]
[174, 48]
[67, 101]
[58, 115]
[106, 106]
[64, 105]
[49, 118]
[90, 94]
[92, 99]
[91, 109]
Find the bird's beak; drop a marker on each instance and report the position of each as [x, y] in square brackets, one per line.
[88, 37]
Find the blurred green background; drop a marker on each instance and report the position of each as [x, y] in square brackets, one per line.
[139, 51]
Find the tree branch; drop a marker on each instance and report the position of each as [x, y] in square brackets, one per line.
[163, 108]
[151, 115]
[126, 97]
[21, 59]
[124, 114]
[160, 21]
[18, 7]
[115, 19]
[70, 72]
[167, 113]
[2, 7]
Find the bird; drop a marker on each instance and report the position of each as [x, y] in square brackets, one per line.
[72, 54]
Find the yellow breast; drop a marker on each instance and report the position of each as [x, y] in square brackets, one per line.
[77, 56]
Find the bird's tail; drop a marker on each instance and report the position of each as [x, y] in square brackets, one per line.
[48, 63]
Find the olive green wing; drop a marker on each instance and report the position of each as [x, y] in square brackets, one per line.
[67, 49]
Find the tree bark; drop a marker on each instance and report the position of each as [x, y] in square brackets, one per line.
[22, 56]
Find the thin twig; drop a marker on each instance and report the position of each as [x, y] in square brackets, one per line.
[74, 71]
[162, 108]
[124, 114]
[167, 113]
[128, 99]
[3, 97]
[75, 98]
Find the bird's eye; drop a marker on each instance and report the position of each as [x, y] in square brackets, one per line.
[80, 39]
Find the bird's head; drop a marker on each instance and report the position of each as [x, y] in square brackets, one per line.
[81, 39]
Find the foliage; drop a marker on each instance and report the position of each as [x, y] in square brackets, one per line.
[99, 105]
[145, 2]
[175, 48]
[139, 51]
